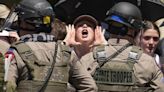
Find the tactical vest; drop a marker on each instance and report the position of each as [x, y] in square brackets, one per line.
[38, 70]
[1, 72]
[118, 75]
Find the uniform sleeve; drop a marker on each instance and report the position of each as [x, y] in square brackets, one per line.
[157, 79]
[17, 72]
[148, 73]
[80, 78]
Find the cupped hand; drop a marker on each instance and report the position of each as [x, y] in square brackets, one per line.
[70, 37]
[99, 36]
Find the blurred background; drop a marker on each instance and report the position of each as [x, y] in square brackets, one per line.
[67, 10]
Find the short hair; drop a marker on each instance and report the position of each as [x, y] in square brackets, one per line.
[58, 29]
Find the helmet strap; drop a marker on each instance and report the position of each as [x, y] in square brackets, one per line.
[118, 39]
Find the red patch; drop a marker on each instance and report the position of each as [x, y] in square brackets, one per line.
[7, 54]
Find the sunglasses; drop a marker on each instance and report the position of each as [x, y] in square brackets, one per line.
[150, 37]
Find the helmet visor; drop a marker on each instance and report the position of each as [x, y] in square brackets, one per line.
[118, 19]
[117, 28]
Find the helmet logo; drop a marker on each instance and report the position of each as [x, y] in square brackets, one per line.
[46, 20]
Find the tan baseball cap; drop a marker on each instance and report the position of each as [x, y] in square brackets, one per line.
[4, 11]
[160, 24]
[87, 18]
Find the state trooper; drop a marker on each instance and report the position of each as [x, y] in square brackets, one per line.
[122, 66]
[39, 65]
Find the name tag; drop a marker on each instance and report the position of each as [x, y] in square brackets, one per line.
[114, 77]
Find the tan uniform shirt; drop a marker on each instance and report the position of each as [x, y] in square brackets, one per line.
[18, 70]
[145, 70]
[80, 77]
[45, 52]
[4, 47]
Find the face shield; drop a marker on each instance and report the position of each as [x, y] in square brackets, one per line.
[117, 25]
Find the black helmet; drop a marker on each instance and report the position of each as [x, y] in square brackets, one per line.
[125, 13]
[35, 12]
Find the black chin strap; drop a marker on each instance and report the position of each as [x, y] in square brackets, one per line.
[118, 39]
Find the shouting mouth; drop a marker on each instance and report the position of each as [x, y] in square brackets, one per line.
[84, 33]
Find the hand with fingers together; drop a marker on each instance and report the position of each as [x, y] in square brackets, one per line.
[70, 37]
[99, 36]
